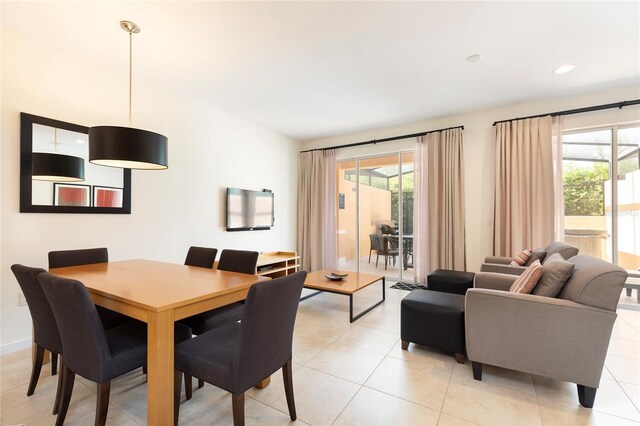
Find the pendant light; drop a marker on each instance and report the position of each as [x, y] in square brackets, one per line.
[127, 147]
[56, 167]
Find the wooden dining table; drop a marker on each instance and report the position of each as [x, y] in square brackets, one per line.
[159, 293]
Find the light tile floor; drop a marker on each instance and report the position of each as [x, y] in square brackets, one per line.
[348, 374]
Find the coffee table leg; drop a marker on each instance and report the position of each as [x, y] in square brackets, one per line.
[352, 318]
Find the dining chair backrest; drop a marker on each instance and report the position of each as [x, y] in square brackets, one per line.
[204, 257]
[62, 258]
[267, 328]
[84, 343]
[45, 328]
[241, 261]
[375, 244]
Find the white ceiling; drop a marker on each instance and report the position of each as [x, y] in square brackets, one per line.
[316, 69]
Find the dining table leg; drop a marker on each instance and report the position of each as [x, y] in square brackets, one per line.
[160, 368]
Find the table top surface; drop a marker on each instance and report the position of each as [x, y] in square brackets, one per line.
[156, 286]
[348, 285]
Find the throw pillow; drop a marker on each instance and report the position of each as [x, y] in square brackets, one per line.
[554, 256]
[528, 280]
[522, 258]
[538, 254]
[556, 273]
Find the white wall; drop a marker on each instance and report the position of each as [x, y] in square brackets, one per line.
[479, 149]
[171, 210]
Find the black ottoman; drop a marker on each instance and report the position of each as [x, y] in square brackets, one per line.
[457, 282]
[433, 318]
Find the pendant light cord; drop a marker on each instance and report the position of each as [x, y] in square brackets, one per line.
[130, 72]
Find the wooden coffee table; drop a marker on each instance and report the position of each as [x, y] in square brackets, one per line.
[347, 286]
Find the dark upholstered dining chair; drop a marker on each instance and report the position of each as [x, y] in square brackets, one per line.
[233, 261]
[63, 258]
[237, 356]
[204, 257]
[241, 261]
[45, 329]
[89, 350]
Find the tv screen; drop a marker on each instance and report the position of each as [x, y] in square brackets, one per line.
[249, 210]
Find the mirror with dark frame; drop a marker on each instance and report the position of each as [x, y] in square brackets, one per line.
[76, 186]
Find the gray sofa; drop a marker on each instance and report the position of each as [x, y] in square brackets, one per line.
[564, 338]
[501, 264]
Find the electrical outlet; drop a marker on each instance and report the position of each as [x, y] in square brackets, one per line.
[21, 300]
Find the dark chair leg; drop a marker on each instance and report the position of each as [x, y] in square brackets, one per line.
[477, 370]
[102, 403]
[54, 364]
[177, 383]
[188, 386]
[238, 409]
[405, 345]
[586, 396]
[68, 378]
[56, 404]
[35, 370]
[459, 358]
[200, 383]
[370, 257]
[377, 257]
[288, 390]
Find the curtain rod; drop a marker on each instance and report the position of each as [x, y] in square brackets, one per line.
[375, 141]
[577, 110]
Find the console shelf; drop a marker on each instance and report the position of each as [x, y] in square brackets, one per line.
[278, 263]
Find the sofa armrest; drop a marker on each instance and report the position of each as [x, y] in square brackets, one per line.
[551, 337]
[502, 269]
[500, 260]
[493, 281]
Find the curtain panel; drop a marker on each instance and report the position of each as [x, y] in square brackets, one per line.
[316, 219]
[439, 203]
[525, 187]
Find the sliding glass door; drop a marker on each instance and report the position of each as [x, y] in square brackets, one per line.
[602, 197]
[375, 215]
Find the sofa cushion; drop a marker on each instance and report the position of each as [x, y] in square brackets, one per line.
[565, 250]
[537, 254]
[555, 275]
[522, 258]
[528, 280]
[594, 282]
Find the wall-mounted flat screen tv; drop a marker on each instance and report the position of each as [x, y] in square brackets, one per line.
[249, 210]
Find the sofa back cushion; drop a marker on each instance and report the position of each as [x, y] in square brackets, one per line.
[594, 282]
[564, 249]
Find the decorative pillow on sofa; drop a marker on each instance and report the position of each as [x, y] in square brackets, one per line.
[528, 280]
[537, 254]
[554, 256]
[522, 258]
[556, 273]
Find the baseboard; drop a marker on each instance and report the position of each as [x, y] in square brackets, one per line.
[15, 346]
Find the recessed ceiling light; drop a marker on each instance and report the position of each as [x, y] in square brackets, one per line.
[564, 68]
[474, 58]
[80, 141]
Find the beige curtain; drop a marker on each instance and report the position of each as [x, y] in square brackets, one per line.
[439, 229]
[557, 126]
[316, 237]
[524, 186]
